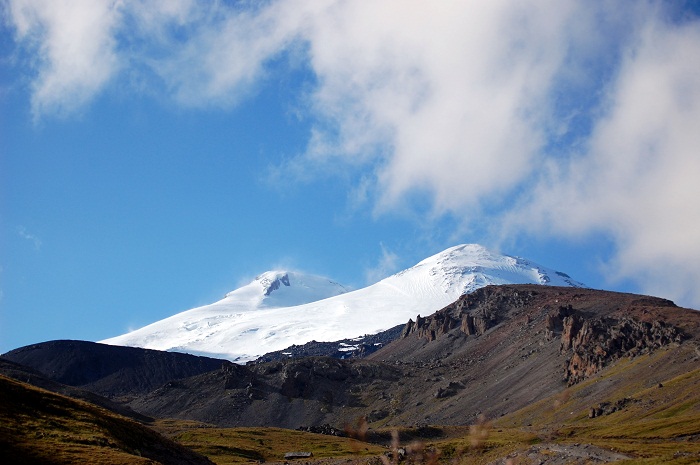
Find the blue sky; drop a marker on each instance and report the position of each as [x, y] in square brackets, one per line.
[156, 154]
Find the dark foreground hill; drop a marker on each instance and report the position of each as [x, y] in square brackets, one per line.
[41, 427]
[30, 376]
[110, 371]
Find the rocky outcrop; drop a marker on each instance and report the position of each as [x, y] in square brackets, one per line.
[343, 349]
[473, 314]
[323, 429]
[592, 334]
[271, 286]
[554, 321]
[320, 377]
[432, 327]
[301, 379]
[448, 391]
[606, 408]
[592, 343]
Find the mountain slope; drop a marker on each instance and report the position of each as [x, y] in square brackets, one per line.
[280, 309]
[107, 370]
[25, 374]
[563, 374]
[453, 377]
[38, 426]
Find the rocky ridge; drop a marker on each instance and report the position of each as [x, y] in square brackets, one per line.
[110, 371]
[588, 340]
[594, 342]
[473, 314]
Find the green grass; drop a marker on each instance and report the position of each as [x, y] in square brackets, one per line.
[245, 445]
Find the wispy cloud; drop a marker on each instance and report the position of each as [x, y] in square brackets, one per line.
[387, 264]
[637, 178]
[22, 231]
[74, 49]
[581, 114]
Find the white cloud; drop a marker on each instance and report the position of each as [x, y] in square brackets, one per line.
[74, 45]
[387, 264]
[439, 97]
[638, 179]
[581, 113]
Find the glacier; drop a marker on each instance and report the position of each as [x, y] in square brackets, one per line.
[281, 308]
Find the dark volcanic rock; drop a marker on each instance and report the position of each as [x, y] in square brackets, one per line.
[512, 345]
[292, 393]
[111, 371]
[593, 332]
[326, 429]
[359, 347]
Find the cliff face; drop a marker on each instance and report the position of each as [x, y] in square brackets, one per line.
[591, 343]
[594, 328]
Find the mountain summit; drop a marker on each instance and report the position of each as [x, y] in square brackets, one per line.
[284, 289]
[280, 308]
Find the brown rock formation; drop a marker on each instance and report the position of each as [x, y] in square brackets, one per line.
[595, 342]
[473, 314]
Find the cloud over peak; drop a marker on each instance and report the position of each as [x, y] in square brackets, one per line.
[552, 118]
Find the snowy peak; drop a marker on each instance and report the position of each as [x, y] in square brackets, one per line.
[272, 284]
[468, 267]
[281, 288]
[281, 308]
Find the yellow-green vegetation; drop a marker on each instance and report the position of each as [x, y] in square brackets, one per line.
[649, 425]
[39, 426]
[483, 444]
[660, 424]
[244, 445]
[617, 412]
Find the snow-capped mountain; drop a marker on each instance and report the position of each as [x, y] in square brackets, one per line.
[282, 308]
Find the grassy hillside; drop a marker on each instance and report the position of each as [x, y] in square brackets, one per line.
[613, 417]
[654, 425]
[38, 426]
[246, 445]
